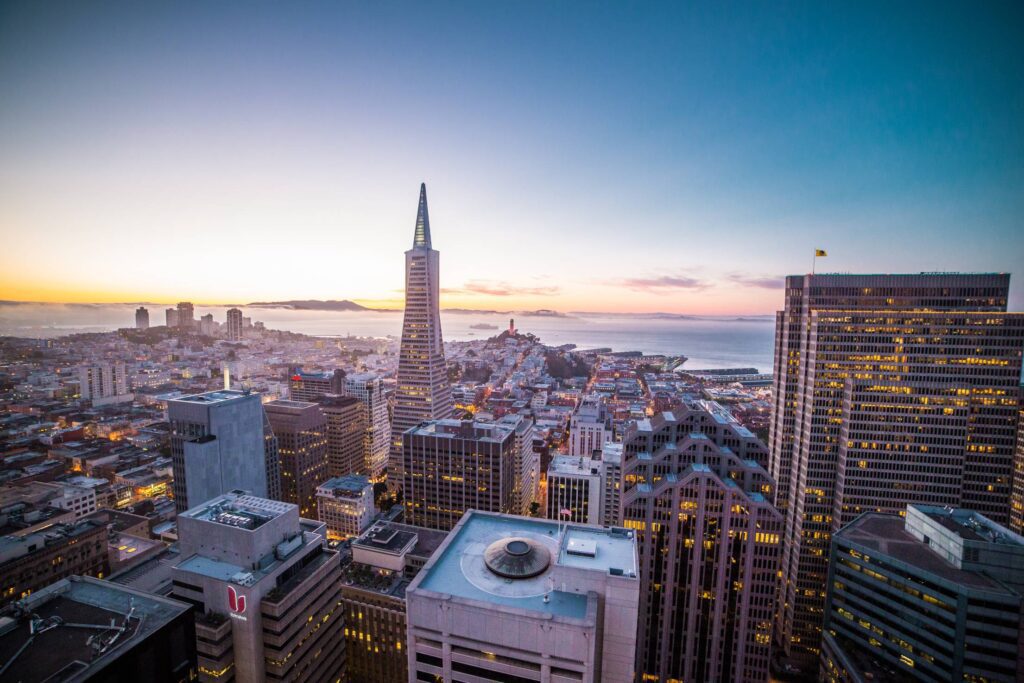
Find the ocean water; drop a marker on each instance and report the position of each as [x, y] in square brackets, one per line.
[708, 341]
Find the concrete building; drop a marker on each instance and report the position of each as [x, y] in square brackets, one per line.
[141, 318]
[233, 321]
[84, 629]
[369, 389]
[301, 431]
[206, 325]
[516, 599]
[346, 431]
[423, 392]
[345, 505]
[33, 561]
[308, 386]
[265, 588]
[526, 464]
[171, 317]
[186, 315]
[1017, 495]
[589, 428]
[695, 490]
[575, 484]
[889, 390]
[611, 477]
[452, 466]
[104, 384]
[384, 560]
[217, 444]
[936, 596]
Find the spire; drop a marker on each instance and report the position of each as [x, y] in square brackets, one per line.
[422, 237]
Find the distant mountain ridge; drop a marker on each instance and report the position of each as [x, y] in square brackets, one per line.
[313, 305]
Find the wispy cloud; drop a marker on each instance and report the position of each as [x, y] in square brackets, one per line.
[763, 281]
[498, 288]
[664, 284]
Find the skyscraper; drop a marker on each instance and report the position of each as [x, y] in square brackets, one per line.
[186, 315]
[345, 431]
[234, 324]
[218, 443]
[141, 318]
[369, 389]
[695, 490]
[307, 386]
[301, 431]
[423, 391]
[171, 316]
[889, 390]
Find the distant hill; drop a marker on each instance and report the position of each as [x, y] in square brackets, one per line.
[312, 305]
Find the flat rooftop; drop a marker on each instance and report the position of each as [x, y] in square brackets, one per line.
[971, 526]
[351, 483]
[456, 429]
[63, 652]
[887, 534]
[212, 396]
[239, 509]
[458, 567]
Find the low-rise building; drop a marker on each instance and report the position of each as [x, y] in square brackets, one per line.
[34, 561]
[345, 505]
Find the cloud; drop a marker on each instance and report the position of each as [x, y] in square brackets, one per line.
[761, 281]
[664, 284]
[497, 288]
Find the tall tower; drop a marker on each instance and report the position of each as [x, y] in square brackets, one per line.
[423, 390]
[234, 323]
[141, 318]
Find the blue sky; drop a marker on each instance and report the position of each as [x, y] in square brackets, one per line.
[578, 156]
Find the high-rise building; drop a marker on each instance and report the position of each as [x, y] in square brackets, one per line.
[171, 315]
[234, 324]
[935, 597]
[695, 490]
[451, 466]
[384, 560]
[516, 599]
[186, 315]
[141, 318]
[272, 458]
[301, 431]
[1017, 495]
[423, 392]
[307, 386]
[526, 463]
[346, 429]
[29, 562]
[575, 485]
[345, 505]
[104, 384]
[218, 443]
[84, 629]
[206, 325]
[611, 477]
[369, 389]
[589, 428]
[889, 390]
[265, 588]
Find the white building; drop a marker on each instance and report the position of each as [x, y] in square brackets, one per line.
[512, 598]
[527, 462]
[345, 505]
[589, 428]
[104, 384]
[369, 389]
[575, 484]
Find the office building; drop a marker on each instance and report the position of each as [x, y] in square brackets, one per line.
[611, 477]
[33, 561]
[935, 596]
[695, 491]
[451, 466]
[308, 386]
[369, 389]
[218, 443]
[301, 431]
[423, 392]
[171, 317]
[265, 588]
[186, 315]
[272, 457]
[384, 560]
[889, 390]
[526, 463]
[141, 318]
[84, 629]
[575, 485]
[346, 432]
[206, 325]
[589, 428]
[345, 505]
[234, 324]
[517, 599]
[104, 384]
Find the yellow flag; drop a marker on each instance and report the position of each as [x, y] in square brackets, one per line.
[820, 252]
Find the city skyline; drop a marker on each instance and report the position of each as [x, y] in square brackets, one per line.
[627, 148]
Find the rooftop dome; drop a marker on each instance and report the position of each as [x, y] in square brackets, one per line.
[517, 558]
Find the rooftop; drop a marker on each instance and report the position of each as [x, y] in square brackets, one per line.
[970, 525]
[239, 509]
[351, 484]
[212, 396]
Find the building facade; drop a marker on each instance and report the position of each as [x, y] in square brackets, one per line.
[105, 383]
[423, 392]
[935, 596]
[301, 431]
[575, 485]
[186, 315]
[696, 492]
[369, 389]
[234, 324]
[889, 389]
[218, 443]
[452, 466]
[33, 561]
[308, 386]
[346, 431]
[589, 428]
[345, 505]
[141, 318]
[509, 598]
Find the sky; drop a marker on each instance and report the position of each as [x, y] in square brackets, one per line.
[579, 156]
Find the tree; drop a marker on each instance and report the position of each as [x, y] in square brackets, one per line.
[534, 509]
